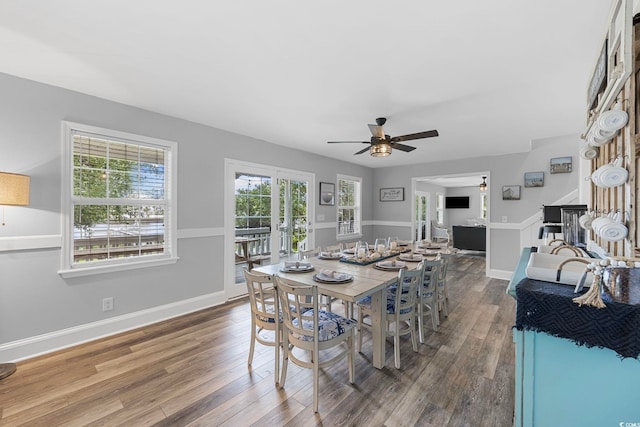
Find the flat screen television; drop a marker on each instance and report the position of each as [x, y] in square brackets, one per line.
[456, 202]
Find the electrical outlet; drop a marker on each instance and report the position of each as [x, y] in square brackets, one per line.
[504, 218]
[107, 304]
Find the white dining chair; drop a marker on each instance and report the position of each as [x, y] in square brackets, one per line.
[427, 303]
[309, 253]
[333, 248]
[265, 315]
[443, 290]
[439, 232]
[309, 331]
[401, 310]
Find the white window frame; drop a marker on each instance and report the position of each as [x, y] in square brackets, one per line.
[440, 208]
[484, 204]
[68, 268]
[357, 208]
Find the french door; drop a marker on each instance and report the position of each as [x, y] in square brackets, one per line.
[267, 217]
[421, 220]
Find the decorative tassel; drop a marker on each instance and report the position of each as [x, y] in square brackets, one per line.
[592, 297]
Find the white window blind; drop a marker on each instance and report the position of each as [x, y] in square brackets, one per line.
[349, 206]
[120, 207]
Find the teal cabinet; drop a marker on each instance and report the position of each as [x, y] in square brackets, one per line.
[559, 383]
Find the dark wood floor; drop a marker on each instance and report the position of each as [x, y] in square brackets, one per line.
[192, 371]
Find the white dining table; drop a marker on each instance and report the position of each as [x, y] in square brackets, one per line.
[367, 280]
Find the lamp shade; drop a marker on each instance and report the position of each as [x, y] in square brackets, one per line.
[380, 150]
[14, 189]
[483, 184]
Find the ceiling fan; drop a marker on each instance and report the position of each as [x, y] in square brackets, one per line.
[381, 144]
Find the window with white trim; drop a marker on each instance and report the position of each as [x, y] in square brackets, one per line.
[118, 203]
[349, 206]
[440, 208]
[483, 205]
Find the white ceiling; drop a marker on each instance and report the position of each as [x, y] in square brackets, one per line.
[490, 75]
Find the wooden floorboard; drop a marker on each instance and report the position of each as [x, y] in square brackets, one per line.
[192, 371]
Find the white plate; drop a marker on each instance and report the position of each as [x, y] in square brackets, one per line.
[300, 269]
[335, 279]
[613, 120]
[411, 258]
[390, 265]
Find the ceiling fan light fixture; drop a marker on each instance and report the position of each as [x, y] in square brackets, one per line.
[380, 150]
[483, 184]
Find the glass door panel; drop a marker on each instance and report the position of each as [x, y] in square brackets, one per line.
[421, 215]
[253, 219]
[293, 217]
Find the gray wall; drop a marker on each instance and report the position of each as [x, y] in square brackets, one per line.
[503, 170]
[462, 216]
[35, 300]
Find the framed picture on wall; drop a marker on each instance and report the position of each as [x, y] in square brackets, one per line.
[510, 192]
[392, 194]
[561, 165]
[327, 193]
[533, 179]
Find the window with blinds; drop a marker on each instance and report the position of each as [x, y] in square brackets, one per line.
[120, 206]
[349, 202]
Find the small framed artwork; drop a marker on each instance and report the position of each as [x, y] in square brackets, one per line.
[392, 194]
[510, 192]
[561, 165]
[327, 193]
[533, 179]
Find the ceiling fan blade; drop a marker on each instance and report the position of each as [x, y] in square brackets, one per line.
[402, 147]
[348, 142]
[376, 131]
[364, 150]
[419, 135]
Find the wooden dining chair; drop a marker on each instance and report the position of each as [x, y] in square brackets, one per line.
[333, 248]
[310, 331]
[427, 303]
[309, 253]
[401, 310]
[443, 290]
[265, 315]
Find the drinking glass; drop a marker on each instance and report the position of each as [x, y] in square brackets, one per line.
[393, 243]
[362, 249]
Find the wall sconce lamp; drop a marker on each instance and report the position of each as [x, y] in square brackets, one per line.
[14, 191]
[483, 184]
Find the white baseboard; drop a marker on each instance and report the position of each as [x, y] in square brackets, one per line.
[34, 346]
[500, 274]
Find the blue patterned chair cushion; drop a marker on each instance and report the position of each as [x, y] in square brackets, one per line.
[269, 309]
[330, 325]
[391, 303]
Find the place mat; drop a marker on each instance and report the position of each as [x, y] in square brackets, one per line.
[297, 270]
[390, 265]
[296, 267]
[332, 277]
[411, 257]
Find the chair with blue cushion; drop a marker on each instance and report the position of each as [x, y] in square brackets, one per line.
[306, 329]
[443, 290]
[427, 303]
[401, 310]
[263, 301]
